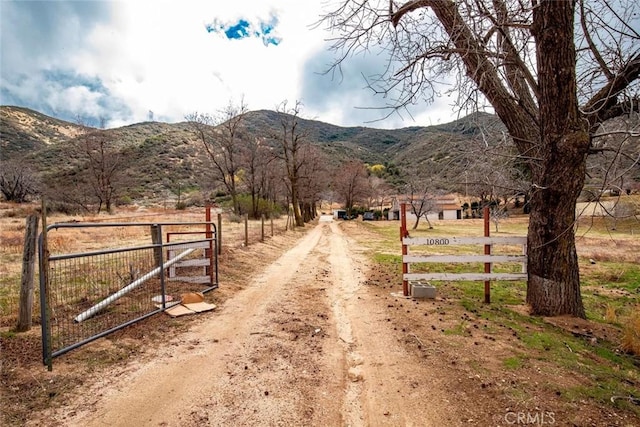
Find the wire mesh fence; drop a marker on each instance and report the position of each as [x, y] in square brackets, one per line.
[231, 229]
[77, 284]
[89, 294]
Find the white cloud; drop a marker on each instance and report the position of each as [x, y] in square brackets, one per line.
[122, 59]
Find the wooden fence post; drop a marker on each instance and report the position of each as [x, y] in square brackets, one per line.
[25, 314]
[403, 234]
[487, 251]
[246, 230]
[262, 228]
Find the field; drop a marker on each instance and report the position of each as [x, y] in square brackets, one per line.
[480, 364]
[70, 240]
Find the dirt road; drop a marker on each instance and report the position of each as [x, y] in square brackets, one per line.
[309, 332]
[302, 344]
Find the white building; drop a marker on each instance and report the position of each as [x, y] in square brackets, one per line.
[446, 207]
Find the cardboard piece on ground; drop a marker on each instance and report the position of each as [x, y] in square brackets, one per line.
[179, 310]
[191, 297]
[199, 307]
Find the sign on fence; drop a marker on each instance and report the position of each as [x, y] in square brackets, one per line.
[487, 258]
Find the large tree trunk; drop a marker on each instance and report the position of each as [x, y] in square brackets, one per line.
[559, 172]
[297, 215]
[554, 280]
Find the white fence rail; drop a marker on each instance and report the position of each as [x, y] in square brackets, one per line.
[487, 259]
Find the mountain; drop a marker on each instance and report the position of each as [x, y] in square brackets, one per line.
[385, 145]
[164, 156]
[23, 130]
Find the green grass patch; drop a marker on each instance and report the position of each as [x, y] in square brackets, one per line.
[613, 275]
[390, 259]
[542, 341]
[508, 293]
[8, 334]
[514, 362]
[604, 309]
[460, 329]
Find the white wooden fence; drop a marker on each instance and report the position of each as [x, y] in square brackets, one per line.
[487, 259]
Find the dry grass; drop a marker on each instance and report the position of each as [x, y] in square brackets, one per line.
[74, 240]
[610, 249]
[631, 333]
[11, 242]
[610, 315]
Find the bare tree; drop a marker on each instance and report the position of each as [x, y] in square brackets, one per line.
[350, 182]
[616, 166]
[313, 180]
[497, 215]
[623, 209]
[553, 71]
[494, 172]
[17, 182]
[291, 142]
[380, 192]
[102, 168]
[257, 158]
[421, 196]
[222, 137]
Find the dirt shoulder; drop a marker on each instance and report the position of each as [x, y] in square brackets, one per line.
[310, 332]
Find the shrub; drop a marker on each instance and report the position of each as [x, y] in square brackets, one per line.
[265, 207]
[125, 200]
[235, 218]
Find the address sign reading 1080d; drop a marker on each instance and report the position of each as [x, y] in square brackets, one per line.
[441, 241]
[436, 241]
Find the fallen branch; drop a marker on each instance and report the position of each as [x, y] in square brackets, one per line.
[418, 339]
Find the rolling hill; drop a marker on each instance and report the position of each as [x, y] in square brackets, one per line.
[161, 156]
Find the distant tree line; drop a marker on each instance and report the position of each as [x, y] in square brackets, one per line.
[269, 171]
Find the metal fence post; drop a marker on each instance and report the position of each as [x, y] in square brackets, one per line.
[45, 312]
[158, 253]
[219, 234]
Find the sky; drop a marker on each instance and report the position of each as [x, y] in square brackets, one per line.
[138, 60]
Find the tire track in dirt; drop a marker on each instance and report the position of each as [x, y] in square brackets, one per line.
[346, 282]
[383, 391]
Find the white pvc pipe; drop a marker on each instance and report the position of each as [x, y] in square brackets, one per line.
[131, 286]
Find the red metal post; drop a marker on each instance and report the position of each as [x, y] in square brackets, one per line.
[487, 251]
[403, 234]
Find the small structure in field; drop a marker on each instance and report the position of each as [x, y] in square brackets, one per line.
[339, 214]
[446, 207]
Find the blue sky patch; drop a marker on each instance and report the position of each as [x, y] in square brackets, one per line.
[242, 29]
[238, 31]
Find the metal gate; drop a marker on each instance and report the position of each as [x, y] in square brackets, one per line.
[125, 273]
